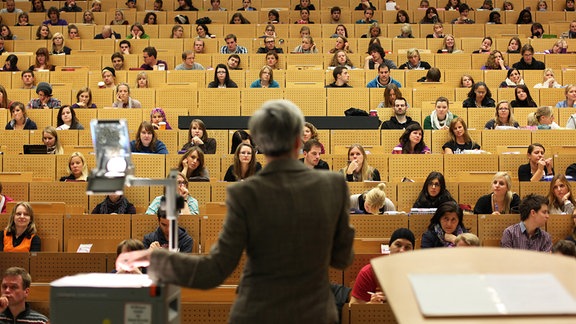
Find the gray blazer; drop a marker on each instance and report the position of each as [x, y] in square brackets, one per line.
[293, 223]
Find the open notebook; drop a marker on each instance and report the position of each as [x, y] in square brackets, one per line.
[462, 295]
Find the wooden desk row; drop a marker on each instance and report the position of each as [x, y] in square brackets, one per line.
[66, 232]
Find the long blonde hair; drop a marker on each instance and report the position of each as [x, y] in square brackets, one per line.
[52, 131]
[509, 192]
[367, 172]
[84, 165]
[376, 197]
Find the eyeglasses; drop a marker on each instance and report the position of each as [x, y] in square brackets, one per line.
[434, 184]
[269, 41]
[221, 72]
[181, 183]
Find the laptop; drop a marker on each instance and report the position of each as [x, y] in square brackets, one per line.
[35, 149]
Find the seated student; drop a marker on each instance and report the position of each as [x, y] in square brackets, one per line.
[460, 140]
[495, 61]
[570, 93]
[383, 78]
[245, 164]
[84, 99]
[527, 61]
[157, 116]
[129, 245]
[412, 141]
[312, 150]
[414, 62]
[222, 78]
[502, 200]
[438, 31]
[466, 240]
[125, 47]
[485, 47]
[240, 136]
[107, 32]
[340, 58]
[560, 197]
[548, 80]
[441, 116]
[523, 97]
[192, 165]
[374, 31]
[358, 169]
[246, 6]
[537, 167]
[123, 98]
[137, 32]
[147, 141]
[430, 17]
[149, 55]
[564, 247]
[446, 224]
[503, 117]
[11, 63]
[479, 96]
[402, 240]
[513, 79]
[190, 207]
[159, 238]
[20, 118]
[376, 58]
[50, 139]
[543, 118]
[67, 119]
[449, 45]
[77, 168]
[307, 46]
[405, 31]
[269, 46]
[198, 136]
[433, 192]
[3, 200]
[20, 233]
[305, 4]
[433, 75]
[368, 15]
[365, 4]
[464, 10]
[108, 78]
[341, 78]
[399, 120]
[529, 233]
[188, 63]
[45, 99]
[373, 201]
[114, 204]
[266, 79]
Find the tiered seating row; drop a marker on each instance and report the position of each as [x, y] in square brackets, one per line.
[320, 16]
[66, 232]
[315, 101]
[466, 186]
[378, 142]
[95, 54]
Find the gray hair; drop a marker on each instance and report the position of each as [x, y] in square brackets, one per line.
[276, 126]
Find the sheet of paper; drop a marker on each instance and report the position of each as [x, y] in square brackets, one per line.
[491, 294]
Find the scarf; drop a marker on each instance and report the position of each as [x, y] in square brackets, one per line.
[438, 124]
[108, 206]
[440, 234]
[511, 84]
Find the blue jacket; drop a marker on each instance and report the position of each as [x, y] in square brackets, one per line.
[376, 84]
[257, 84]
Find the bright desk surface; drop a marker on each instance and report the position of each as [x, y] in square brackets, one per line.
[392, 271]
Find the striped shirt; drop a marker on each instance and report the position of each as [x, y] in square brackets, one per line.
[516, 237]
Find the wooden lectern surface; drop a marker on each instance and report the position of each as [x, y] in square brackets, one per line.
[392, 273]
